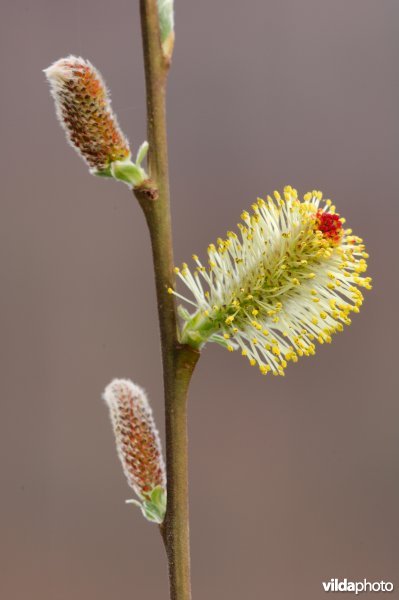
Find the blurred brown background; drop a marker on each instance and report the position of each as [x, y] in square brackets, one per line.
[294, 480]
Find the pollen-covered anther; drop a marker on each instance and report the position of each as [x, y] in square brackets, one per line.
[83, 107]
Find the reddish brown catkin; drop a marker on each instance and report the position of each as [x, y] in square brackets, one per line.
[137, 438]
[83, 107]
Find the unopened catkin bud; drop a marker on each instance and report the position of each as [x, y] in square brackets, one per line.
[138, 445]
[83, 107]
[166, 26]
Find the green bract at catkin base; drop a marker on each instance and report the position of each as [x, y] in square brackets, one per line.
[290, 278]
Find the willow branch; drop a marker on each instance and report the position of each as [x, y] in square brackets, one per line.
[178, 360]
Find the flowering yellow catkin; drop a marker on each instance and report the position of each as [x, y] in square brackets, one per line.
[84, 110]
[290, 278]
[137, 439]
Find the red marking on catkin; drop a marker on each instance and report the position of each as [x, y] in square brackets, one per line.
[330, 225]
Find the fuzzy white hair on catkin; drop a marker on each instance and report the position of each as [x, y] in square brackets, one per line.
[60, 71]
[127, 385]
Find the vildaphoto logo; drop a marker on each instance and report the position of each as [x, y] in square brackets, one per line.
[344, 585]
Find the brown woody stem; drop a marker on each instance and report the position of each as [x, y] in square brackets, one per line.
[178, 360]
